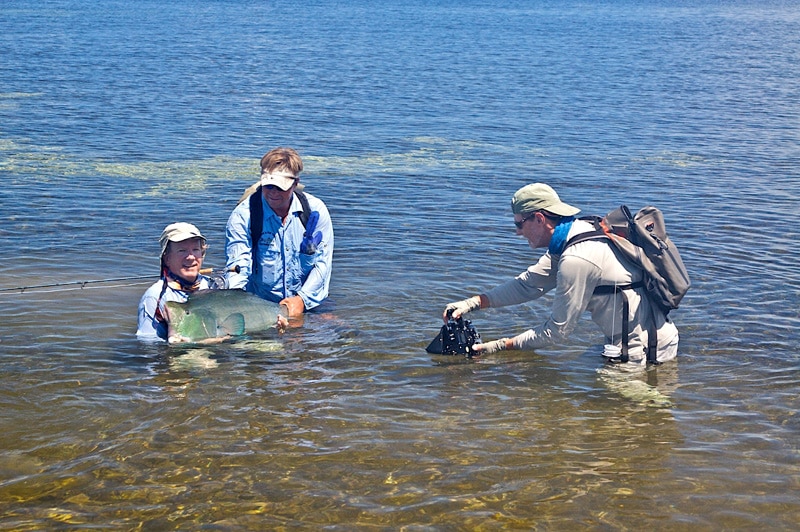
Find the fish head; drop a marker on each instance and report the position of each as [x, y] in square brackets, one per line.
[187, 324]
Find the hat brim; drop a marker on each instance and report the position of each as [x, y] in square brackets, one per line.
[180, 237]
[563, 209]
[282, 182]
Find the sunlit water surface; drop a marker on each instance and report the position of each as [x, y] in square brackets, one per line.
[417, 122]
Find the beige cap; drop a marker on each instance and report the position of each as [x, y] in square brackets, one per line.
[178, 232]
[538, 196]
[252, 188]
[280, 178]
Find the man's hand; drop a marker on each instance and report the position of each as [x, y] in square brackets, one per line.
[459, 308]
[282, 324]
[492, 347]
[294, 306]
[177, 339]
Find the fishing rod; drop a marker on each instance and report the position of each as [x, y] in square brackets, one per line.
[22, 289]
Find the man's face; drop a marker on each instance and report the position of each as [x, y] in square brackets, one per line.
[536, 228]
[277, 199]
[185, 258]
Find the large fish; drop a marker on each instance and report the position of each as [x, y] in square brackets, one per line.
[211, 315]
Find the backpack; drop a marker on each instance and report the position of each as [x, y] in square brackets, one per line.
[643, 240]
[257, 221]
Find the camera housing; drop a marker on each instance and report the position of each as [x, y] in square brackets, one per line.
[456, 338]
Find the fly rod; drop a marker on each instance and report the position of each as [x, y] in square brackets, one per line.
[82, 284]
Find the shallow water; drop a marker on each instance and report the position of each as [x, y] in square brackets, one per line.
[417, 122]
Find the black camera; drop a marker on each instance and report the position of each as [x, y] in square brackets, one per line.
[456, 338]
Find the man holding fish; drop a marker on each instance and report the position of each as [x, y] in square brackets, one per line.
[279, 252]
[280, 239]
[183, 248]
[183, 306]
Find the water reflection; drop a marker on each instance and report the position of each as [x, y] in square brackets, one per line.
[651, 387]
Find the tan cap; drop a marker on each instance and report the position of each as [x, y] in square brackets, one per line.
[280, 178]
[538, 196]
[252, 188]
[178, 232]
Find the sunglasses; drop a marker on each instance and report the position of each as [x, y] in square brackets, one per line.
[520, 223]
[274, 187]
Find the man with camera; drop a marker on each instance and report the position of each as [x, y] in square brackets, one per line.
[574, 273]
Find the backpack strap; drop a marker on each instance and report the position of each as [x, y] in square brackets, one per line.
[652, 334]
[626, 326]
[597, 234]
[256, 225]
[306, 208]
[309, 220]
[257, 220]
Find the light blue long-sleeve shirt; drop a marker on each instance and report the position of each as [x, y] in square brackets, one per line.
[150, 327]
[284, 271]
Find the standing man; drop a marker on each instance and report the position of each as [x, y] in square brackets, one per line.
[575, 273]
[281, 238]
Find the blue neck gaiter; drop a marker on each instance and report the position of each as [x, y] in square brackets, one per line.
[560, 235]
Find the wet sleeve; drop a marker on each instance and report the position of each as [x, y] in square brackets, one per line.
[148, 325]
[238, 246]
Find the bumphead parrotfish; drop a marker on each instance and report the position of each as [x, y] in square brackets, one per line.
[210, 315]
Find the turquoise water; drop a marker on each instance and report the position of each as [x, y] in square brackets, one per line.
[417, 122]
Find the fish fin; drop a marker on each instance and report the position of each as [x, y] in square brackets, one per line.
[233, 325]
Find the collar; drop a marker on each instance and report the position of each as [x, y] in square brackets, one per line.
[179, 283]
[559, 238]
